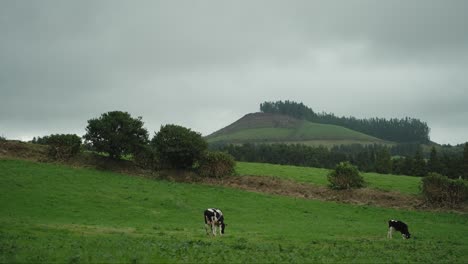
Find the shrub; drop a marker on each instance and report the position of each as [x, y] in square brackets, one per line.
[458, 191]
[345, 176]
[216, 164]
[146, 158]
[2, 138]
[178, 147]
[41, 140]
[63, 146]
[116, 133]
[440, 190]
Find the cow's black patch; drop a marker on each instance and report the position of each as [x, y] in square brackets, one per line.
[400, 227]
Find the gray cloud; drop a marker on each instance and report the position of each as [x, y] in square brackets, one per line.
[203, 64]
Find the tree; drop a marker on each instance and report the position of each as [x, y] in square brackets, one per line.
[398, 165]
[383, 161]
[178, 147]
[345, 176]
[63, 146]
[419, 165]
[408, 166]
[465, 162]
[216, 164]
[116, 133]
[434, 164]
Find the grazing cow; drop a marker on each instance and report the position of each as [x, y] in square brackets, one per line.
[396, 225]
[214, 218]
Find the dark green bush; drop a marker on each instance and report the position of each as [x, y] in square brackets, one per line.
[2, 138]
[146, 157]
[116, 133]
[441, 191]
[63, 146]
[178, 147]
[458, 191]
[216, 164]
[345, 176]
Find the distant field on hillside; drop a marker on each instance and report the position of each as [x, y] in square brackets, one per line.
[269, 128]
[53, 213]
[317, 176]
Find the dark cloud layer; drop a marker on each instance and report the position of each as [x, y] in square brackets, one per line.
[203, 64]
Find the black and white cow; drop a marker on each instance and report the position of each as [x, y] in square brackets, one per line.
[214, 218]
[396, 225]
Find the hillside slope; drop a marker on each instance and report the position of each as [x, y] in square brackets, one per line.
[52, 213]
[275, 128]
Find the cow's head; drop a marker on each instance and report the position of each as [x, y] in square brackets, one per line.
[406, 235]
[223, 226]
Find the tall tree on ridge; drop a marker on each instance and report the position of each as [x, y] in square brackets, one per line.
[434, 164]
[465, 162]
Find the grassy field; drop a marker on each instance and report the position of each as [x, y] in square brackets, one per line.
[317, 176]
[307, 131]
[266, 128]
[52, 213]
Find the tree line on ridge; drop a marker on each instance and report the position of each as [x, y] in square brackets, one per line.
[398, 130]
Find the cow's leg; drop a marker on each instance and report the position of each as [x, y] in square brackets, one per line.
[207, 224]
[389, 233]
[213, 228]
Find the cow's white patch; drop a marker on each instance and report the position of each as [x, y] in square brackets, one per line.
[390, 232]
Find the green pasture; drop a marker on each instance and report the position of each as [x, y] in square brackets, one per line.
[329, 143]
[306, 131]
[309, 130]
[317, 176]
[254, 135]
[52, 213]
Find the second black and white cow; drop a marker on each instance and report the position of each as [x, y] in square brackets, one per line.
[214, 218]
[396, 225]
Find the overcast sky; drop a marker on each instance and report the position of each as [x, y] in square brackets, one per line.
[205, 64]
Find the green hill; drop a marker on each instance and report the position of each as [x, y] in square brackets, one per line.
[276, 128]
[57, 214]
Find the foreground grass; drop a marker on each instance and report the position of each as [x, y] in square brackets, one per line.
[52, 213]
[317, 176]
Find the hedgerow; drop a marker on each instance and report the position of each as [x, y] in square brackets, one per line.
[439, 190]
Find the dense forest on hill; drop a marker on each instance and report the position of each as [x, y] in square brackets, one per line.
[398, 130]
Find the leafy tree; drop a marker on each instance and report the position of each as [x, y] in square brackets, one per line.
[116, 133]
[63, 146]
[398, 165]
[345, 176]
[178, 147]
[146, 158]
[383, 161]
[434, 164]
[452, 165]
[465, 162]
[40, 140]
[408, 166]
[216, 164]
[419, 165]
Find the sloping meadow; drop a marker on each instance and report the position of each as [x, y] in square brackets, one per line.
[52, 213]
[317, 176]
